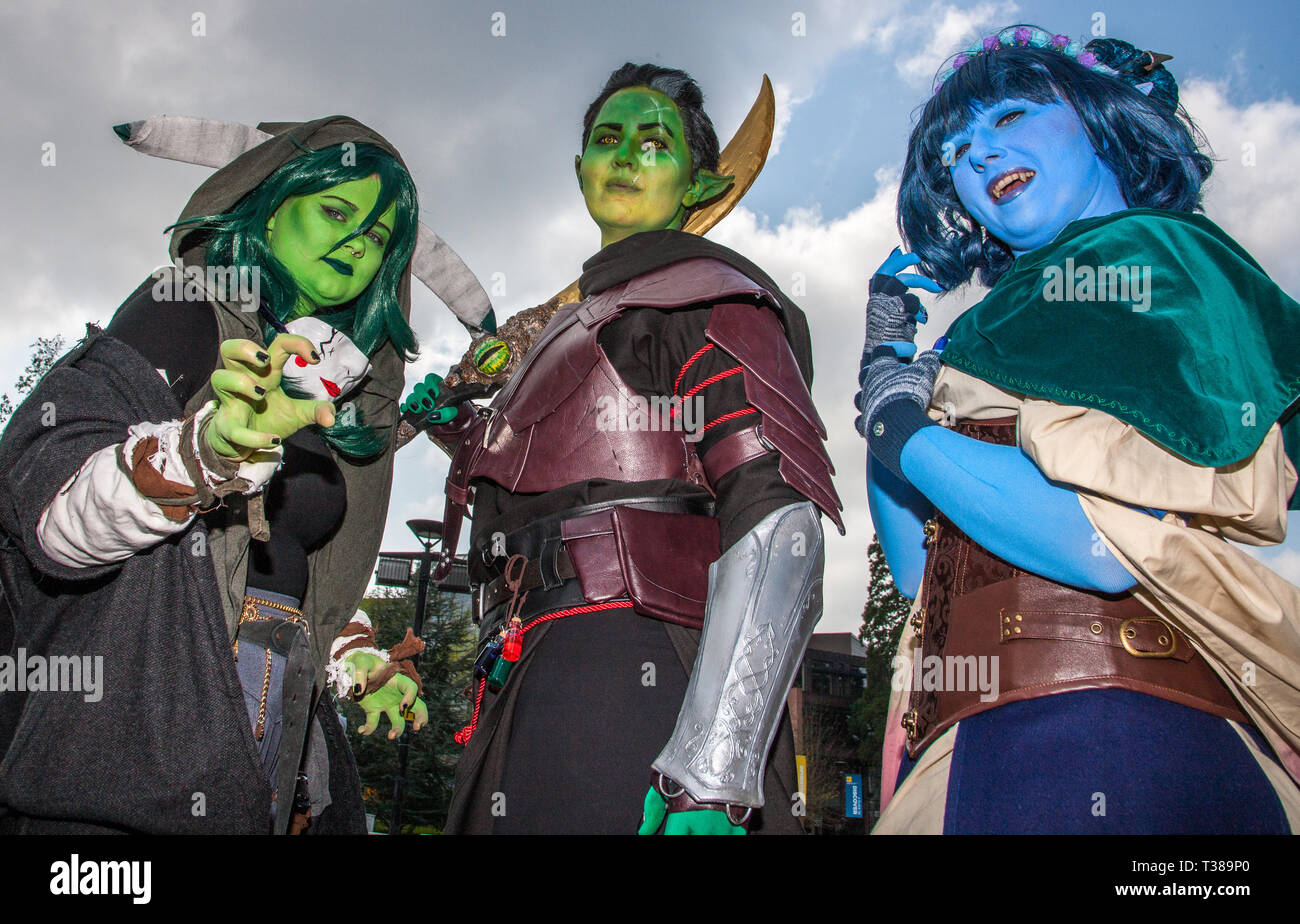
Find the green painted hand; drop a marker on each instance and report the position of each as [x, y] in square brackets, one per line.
[253, 413]
[424, 398]
[696, 822]
[392, 699]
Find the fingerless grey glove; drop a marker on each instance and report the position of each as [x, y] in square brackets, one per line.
[892, 315]
[893, 401]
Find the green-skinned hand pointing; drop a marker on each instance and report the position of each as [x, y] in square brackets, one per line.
[253, 412]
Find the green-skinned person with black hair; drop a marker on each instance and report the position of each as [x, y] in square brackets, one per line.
[205, 512]
[647, 590]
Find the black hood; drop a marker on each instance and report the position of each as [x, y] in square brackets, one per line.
[651, 250]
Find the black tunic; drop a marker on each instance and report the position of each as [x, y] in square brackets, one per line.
[566, 747]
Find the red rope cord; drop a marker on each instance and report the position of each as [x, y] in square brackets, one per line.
[589, 608]
[710, 380]
[462, 737]
[740, 413]
[696, 355]
[672, 412]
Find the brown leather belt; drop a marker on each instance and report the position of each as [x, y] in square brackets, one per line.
[498, 591]
[659, 558]
[992, 634]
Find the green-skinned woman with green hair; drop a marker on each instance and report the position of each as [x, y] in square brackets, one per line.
[217, 485]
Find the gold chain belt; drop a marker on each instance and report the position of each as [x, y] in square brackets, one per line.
[251, 613]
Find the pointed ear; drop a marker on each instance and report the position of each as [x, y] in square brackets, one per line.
[577, 168]
[707, 185]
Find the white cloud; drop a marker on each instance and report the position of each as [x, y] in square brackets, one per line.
[1284, 560]
[785, 103]
[833, 260]
[1252, 193]
[853, 23]
[954, 28]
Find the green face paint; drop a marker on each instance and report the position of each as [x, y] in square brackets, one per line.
[635, 173]
[304, 235]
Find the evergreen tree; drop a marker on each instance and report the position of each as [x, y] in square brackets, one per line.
[883, 620]
[45, 351]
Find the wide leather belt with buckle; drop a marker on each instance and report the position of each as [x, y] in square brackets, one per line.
[1031, 637]
[535, 574]
[531, 539]
[655, 551]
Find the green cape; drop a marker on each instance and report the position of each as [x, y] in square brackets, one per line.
[1197, 348]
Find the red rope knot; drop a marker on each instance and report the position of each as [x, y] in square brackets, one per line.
[462, 737]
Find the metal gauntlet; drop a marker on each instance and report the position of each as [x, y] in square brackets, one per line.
[765, 597]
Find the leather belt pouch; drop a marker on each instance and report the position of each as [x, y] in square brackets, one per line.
[590, 542]
[665, 560]
[660, 560]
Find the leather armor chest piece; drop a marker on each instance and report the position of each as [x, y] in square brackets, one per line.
[568, 416]
[993, 634]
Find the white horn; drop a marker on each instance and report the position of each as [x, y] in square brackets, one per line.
[436, 265]
[207, 142]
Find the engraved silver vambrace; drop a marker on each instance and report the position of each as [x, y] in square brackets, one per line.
[765, 597]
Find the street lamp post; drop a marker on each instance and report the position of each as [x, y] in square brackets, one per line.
[429, 532]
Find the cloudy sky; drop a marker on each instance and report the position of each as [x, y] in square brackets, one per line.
[485, 102]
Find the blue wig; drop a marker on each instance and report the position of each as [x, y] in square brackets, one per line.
[1147, 141]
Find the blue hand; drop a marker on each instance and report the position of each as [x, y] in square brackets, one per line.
[894, 310]
[897, 260]
[903, 349]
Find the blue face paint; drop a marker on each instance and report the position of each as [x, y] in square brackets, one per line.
[1025, 170]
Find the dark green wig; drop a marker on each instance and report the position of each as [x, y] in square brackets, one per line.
[237, 239]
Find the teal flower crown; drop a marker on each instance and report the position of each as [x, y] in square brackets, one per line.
[1026, 37]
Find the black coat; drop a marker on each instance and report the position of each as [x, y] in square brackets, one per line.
[168, 747]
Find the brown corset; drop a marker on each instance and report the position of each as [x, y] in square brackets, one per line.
[1041, 637]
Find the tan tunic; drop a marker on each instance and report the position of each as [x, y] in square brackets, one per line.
[1241, 616]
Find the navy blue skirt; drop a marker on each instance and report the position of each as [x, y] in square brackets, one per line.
[1105, 762]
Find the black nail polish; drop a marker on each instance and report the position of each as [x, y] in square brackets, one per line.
[275, 440]
[356, 689]
[259, 389]
[315, 356]
[262, 357]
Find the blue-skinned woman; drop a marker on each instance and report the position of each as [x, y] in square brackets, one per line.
[1087, 653]
[201, 512]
